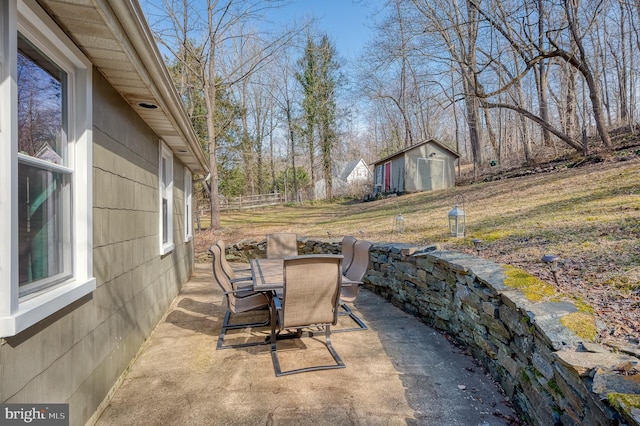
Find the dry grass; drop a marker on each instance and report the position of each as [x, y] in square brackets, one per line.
[589, 216]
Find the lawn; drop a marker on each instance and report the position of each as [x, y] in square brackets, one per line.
[587, 215]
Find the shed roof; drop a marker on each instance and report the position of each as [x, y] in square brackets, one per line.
[414, 146]
[116, 38]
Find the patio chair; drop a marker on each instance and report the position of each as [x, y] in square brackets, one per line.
[310, 299]
[281, 245]
[356, 271]
[230, 272]
[238, 300]
[347, 251]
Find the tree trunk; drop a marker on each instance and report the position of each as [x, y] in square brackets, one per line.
[542, 80]
[210, 96]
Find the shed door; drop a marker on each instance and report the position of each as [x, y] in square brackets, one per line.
[430, 174]
[387, 176]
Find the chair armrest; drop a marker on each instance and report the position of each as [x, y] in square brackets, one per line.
[349, 283]
[276, 311]
[241, 287]
[277, 303]
[241, 292]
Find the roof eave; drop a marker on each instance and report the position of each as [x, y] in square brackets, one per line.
[143, 46]
[121, 46]
[409, 148]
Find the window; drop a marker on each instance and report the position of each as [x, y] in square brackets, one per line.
[188, 198]
[165, 174]
[44, 180]
[45, 168]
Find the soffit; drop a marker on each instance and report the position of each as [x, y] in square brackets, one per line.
[118, 41]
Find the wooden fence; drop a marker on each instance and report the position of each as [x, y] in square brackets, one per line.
[203, 211]
[251, 201]
[243, 202]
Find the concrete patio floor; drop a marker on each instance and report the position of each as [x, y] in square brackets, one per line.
[398, 372]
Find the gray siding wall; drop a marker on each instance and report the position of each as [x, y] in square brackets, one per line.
[397, 174]
[412, 178]
[77, 355]
[449, 177]
[397, 179]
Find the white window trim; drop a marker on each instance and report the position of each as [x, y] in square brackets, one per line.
[165, 152]
[18, 314]
[188, 206]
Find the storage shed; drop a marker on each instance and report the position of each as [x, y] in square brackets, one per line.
[426, 166]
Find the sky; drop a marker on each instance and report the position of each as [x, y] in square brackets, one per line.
[345, 21]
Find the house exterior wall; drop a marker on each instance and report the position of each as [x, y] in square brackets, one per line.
[77, 355]
[358, 180]
[360, 173]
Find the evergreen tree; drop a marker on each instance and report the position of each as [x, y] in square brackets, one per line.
[318, 80]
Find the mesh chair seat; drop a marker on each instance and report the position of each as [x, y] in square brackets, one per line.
[310, 299]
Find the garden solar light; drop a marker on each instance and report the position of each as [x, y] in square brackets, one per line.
[399, 223]
[457, 219]
[476, 244]
[552, 261]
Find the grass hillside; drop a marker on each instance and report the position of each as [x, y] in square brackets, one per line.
[587, 213]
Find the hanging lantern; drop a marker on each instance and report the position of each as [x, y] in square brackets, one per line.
[399, 223]
[457, 221]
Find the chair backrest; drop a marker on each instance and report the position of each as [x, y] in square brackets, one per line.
[241, 300]
[226, 268]
[220, 277]
[347, 251]
[281, 245]
[311, 290]
[360, 262]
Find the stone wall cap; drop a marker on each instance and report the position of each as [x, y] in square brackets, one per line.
[585, 363]
[419, 251]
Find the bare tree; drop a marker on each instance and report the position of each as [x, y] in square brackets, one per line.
[215, 22]
[456, 25]
[565, 41]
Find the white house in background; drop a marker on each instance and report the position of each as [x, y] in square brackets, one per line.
[348, 178]
[96, 163]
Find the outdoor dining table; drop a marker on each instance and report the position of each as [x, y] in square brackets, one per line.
[268, 275]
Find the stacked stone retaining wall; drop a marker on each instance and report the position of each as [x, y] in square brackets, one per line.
[551, 375]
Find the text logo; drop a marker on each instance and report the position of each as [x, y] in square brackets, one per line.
[34, 414]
